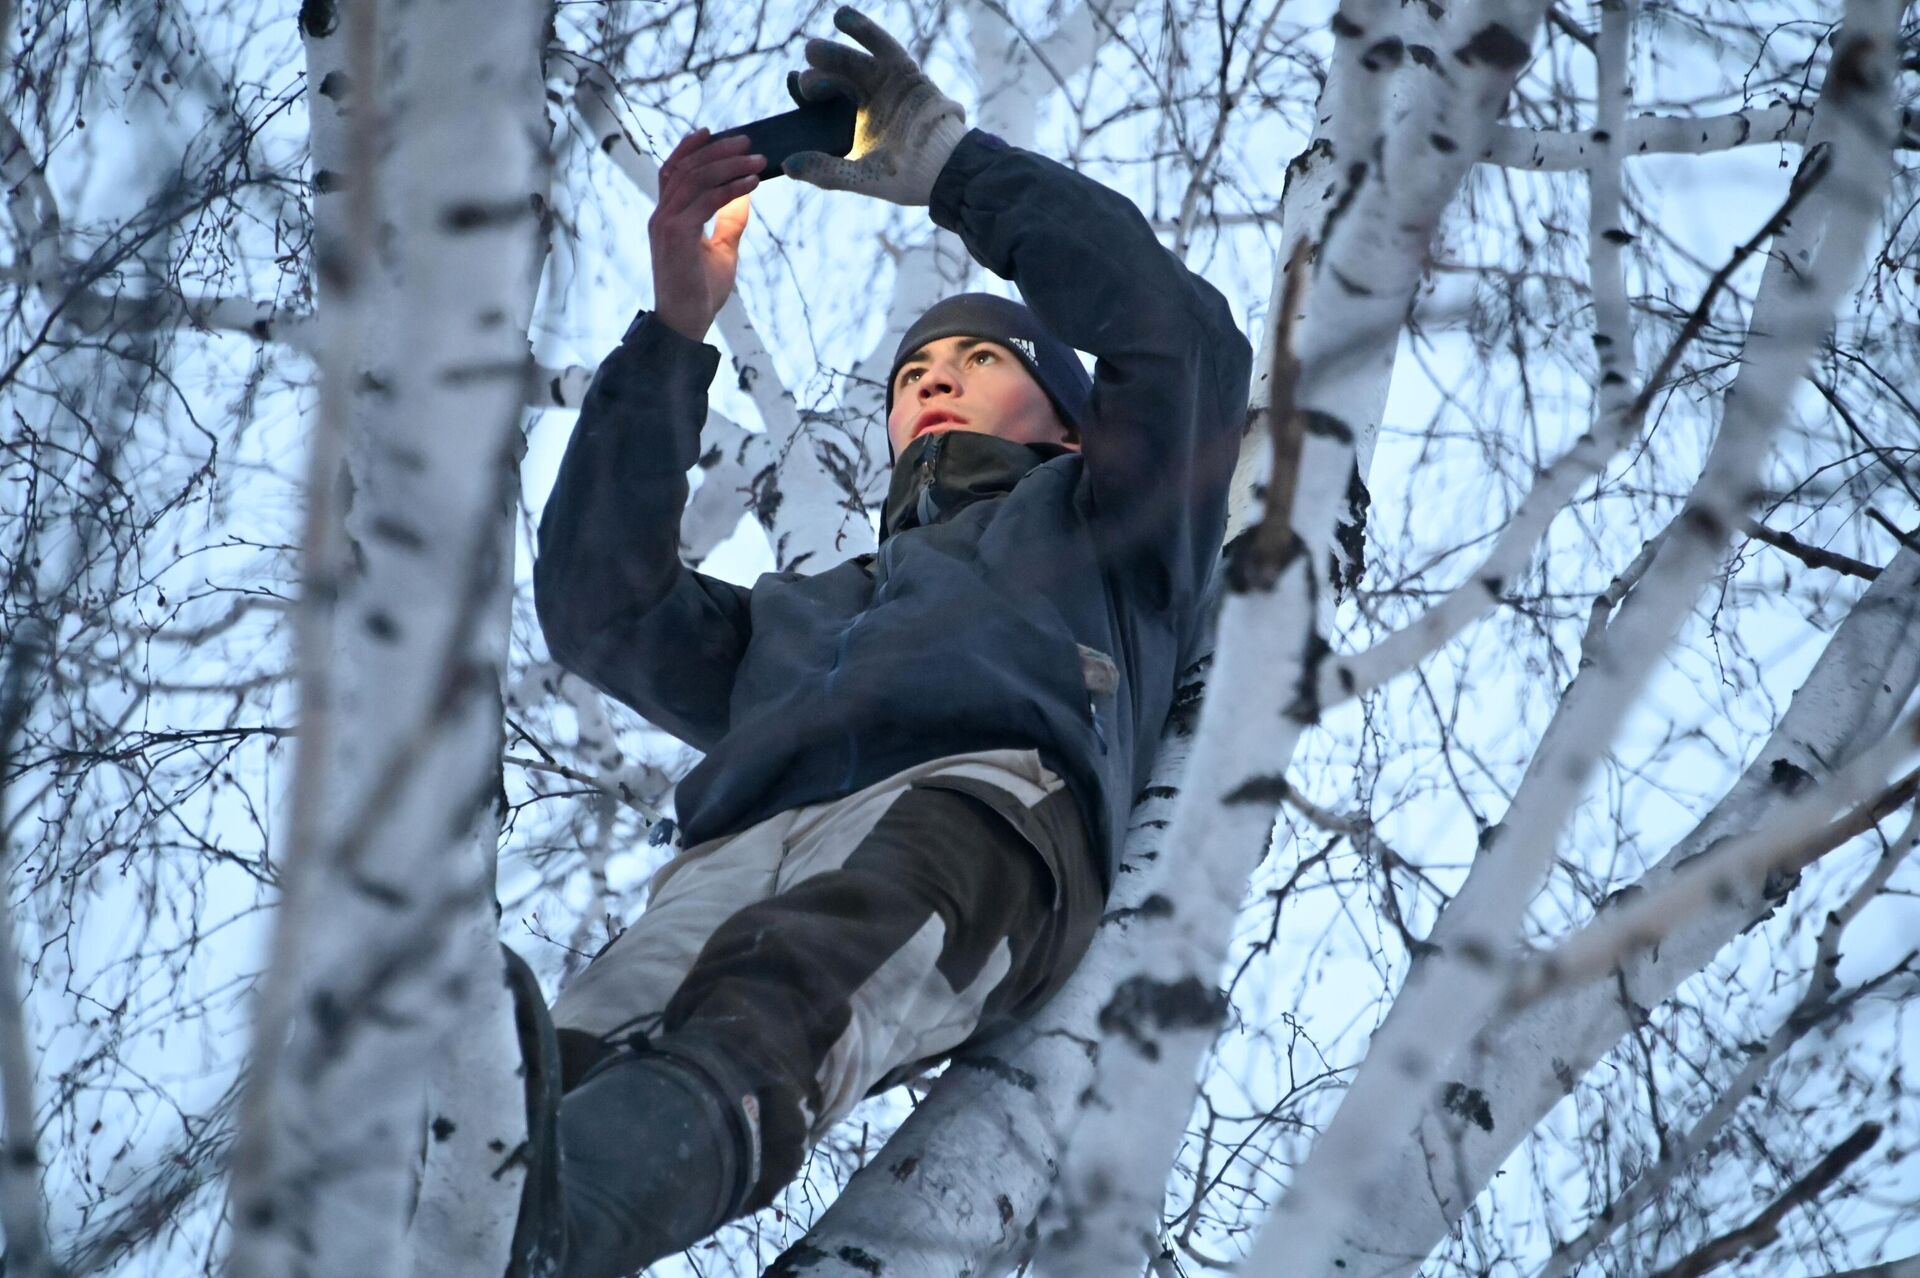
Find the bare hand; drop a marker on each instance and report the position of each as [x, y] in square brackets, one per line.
[692, 271]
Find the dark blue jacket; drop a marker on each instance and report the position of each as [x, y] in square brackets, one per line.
[1021, 596]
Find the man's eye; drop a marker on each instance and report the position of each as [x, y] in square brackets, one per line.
[986, 355]
[907, 378]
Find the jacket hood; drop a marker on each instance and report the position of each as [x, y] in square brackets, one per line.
[940, 472]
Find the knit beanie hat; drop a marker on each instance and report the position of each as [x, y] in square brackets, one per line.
[1050, 360]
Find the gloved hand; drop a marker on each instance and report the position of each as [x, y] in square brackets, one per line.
[907, 127]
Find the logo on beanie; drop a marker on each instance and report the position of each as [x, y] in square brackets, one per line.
[1025, 346]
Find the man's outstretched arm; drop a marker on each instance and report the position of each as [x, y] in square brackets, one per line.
[1171, 374]
[1170, 386]
[616, 604]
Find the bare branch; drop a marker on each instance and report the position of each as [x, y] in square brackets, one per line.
[1812, 556]
[1765, 1227]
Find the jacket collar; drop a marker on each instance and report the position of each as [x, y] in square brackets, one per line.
[938, 474]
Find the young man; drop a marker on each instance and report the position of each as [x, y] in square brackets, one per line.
[919, 763]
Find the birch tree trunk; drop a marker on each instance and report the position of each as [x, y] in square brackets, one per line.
[427, 241]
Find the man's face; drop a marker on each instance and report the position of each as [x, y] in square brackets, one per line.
[971, 383]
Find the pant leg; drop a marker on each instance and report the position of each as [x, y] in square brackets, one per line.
[624, 990]
[937, 920]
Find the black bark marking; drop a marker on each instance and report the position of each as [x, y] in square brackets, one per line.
[1155, 906]
[1469, 1103]
[1352, 287]
[405, 536]
[1602, 136]
[1422, 55]
[1261, 789]
[1385, 53]
[865, 1261]
[1143, 1006]
[1346, 28]
[477, 215]
[442, 1127]
[1005, 1205]
[382, 627]
[764, 495]
[1327, 426]
[1702, 522]
[1012, 1075]
[1184, 714]
[1497, 46]
[382, 894]
[1350, 536]
[482, 371]
[1442, 143]
[335, 85]
[318, 18]
[1789, 776]
[327, 181]
[709, 459]
[1494, 585]
[1614, 235]
[905, 1167]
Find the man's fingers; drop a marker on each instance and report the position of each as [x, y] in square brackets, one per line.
[869, 33]
[838, 62]
[710, 203]
[818, 86]
[828, 172]
[731, 219]
[685, 181]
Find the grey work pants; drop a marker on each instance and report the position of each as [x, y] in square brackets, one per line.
[840, 947]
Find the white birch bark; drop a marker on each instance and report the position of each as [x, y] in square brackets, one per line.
[1521, 1068]
[388, 883]
[1165, 1010]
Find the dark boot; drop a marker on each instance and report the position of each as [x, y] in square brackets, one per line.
[539, 1234]
[656, 1154]
[650, 1153]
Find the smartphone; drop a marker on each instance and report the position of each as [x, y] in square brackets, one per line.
[817, 126]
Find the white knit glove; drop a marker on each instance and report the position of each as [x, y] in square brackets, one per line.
[907, 128]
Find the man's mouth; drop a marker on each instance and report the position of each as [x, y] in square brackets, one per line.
[935, 418]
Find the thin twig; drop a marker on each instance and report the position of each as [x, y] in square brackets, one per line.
[1765, 1227]
[1813, 168]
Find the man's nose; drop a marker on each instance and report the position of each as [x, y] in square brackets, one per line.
[937, 383]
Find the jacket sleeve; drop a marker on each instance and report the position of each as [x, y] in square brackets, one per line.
[1170, 379]
[617, 606]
